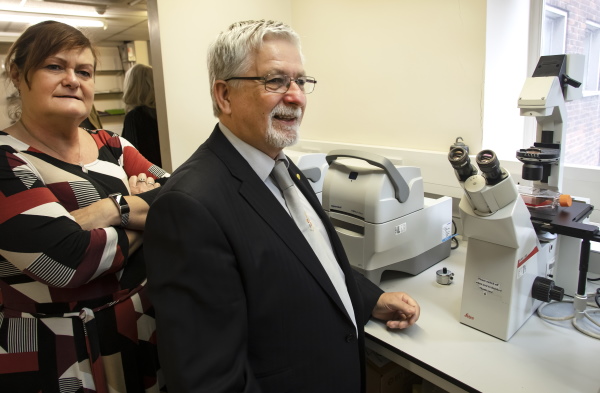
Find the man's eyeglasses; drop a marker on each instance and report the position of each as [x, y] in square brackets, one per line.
[281, 83]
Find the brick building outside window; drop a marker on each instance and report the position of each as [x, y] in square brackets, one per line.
[573, 27]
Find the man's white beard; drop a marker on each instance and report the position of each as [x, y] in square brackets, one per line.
[283, 136]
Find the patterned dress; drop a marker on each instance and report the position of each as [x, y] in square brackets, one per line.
[74, 313]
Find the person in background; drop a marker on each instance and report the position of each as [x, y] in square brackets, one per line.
[250, 299]
[140, 126]
[74, 313]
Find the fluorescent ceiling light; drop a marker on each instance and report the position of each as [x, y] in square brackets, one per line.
[32, 19]
[64, 10]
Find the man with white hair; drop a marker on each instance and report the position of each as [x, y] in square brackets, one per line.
[247, 299]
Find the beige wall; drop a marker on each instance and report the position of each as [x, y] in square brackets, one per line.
[180, 32]
[394, 73]
[142, 55]
[403, 74]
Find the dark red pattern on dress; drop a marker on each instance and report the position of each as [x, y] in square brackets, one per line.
[67, 199]
[61, 353]
[18, 203]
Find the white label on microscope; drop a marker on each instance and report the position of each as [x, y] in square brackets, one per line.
[488, 287]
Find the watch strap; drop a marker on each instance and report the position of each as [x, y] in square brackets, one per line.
[123, 207]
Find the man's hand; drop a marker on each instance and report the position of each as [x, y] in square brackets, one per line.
[398, 310]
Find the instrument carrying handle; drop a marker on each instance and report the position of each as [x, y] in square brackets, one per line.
[401, 189]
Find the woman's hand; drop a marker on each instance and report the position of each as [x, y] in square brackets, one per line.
[104, 213]
[141, 183]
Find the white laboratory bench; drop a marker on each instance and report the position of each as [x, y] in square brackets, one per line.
[542, 356]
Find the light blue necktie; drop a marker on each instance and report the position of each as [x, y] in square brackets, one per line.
[322, 250]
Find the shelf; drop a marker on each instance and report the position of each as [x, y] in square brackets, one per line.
[103, 115]
[111, 112]
[109, 71]
[108, 92]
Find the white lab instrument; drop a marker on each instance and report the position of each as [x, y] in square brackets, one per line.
[313, 166]
[506, 265]
[554, 82]
[382, 216]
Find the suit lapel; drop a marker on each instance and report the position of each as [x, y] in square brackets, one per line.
[260, 198]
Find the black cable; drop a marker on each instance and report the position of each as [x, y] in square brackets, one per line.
[454, 239]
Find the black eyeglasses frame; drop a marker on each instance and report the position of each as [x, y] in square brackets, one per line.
[264, 79]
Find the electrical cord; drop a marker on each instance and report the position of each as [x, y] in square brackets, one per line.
[454, 239]
[587, 313]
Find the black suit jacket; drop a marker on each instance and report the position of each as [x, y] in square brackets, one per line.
[242, 302]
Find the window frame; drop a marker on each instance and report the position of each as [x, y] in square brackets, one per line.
[592, 61]
[558, 19]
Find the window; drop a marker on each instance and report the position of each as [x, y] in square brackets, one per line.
[555, 31]
[591, 81]
[573, 27]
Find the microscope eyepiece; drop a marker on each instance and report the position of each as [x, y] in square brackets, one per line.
[458, 157]
[460, 161]
[490, 166]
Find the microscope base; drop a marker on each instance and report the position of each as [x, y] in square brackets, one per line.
[497, 285]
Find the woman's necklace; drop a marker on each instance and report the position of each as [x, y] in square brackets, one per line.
[79, 163]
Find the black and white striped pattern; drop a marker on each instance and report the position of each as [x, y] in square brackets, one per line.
[69, 385]
[156, 171]
[25, 175]
[22, 335]
[51, 271]
[7, 269]
[84, 192]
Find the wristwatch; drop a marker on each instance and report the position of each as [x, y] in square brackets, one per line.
[122, 205]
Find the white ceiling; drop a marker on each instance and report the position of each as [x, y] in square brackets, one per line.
[125, 20]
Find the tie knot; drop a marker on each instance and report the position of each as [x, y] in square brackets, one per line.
[282, 176]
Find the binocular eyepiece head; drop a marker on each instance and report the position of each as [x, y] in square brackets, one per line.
[486, 160]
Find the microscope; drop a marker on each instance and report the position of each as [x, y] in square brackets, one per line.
[506, 267]
[543, 97]
[521, 250]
